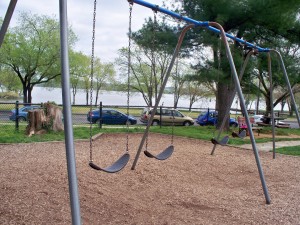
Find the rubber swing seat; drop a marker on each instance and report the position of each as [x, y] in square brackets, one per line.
[224, 141]
[116, 167]
[240, 135]
[163, 155]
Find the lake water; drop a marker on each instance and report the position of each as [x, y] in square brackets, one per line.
[41, 94]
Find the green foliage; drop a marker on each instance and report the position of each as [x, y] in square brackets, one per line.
[9, 135]
[9, 95]
[9, 81]
[31, 51]
[156, 36]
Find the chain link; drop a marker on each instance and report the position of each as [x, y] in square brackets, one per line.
[128, 73]
[92, 77]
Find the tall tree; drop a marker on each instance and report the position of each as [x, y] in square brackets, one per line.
[104, 73]
[255, 21]
[79, 68]
[32, 51]
[151, 55]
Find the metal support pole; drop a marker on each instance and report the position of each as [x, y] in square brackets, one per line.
[232, 98]
[7, 18]
[160, 93]
[288, 83]
[69, 142]
[271, 102]
[243, 105]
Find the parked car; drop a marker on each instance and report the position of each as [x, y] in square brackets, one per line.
[167, 117]
[211, 118]
[22, 112]
[268, 120]
[110, 116]
[258, 118]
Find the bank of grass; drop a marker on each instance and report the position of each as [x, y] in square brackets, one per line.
[9, 135]
[291, 150]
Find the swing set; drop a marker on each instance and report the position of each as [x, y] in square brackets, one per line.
[123, 160]
[216, 28]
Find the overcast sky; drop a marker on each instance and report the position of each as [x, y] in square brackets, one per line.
[111, 23]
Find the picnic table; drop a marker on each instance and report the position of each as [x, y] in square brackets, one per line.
[267, 122]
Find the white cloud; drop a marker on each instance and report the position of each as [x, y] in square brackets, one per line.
[111, 23]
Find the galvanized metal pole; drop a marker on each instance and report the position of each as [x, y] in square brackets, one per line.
[69, 142]
[197, 23]
[288, 83]
[243, 105]
[7, 18]
[231, 99]
[271, 102]
[175, 54]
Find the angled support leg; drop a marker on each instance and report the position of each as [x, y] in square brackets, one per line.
[8, 15]
[288, 83]
[250, 53]
[160, 93]
[271, 102]
[243, 105]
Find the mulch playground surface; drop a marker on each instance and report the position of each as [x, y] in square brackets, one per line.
[191, 187]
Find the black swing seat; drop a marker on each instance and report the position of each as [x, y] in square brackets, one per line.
[224, 141]
[240, 135]
[163, 155]
[116, 167]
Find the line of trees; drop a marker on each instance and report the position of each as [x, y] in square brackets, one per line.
[30, 56]
[273, 24]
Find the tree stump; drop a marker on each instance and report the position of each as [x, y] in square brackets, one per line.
[36, 121]
[41, 121]
[54, 117]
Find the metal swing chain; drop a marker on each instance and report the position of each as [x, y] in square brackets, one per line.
[92, 77]
[128, 73]
[172, 134]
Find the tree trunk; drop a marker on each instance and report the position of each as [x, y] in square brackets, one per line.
[268, 104]
[36, 121]
[25, 94]
[87, 96]
[74, 90]
[97, 95]
[224, 93]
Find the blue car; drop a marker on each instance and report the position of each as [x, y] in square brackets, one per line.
[110, 116]
[211, 118]
[22, 112]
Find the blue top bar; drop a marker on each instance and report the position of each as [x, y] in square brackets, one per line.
[196, 23]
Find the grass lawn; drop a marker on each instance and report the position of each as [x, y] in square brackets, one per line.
[9, 135]
[291, 150]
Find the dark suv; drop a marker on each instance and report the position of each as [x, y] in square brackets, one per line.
[211, 118]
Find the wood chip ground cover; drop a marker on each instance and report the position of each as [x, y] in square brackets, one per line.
[191, 187]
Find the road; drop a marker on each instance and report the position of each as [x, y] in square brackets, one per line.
[81, 119]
